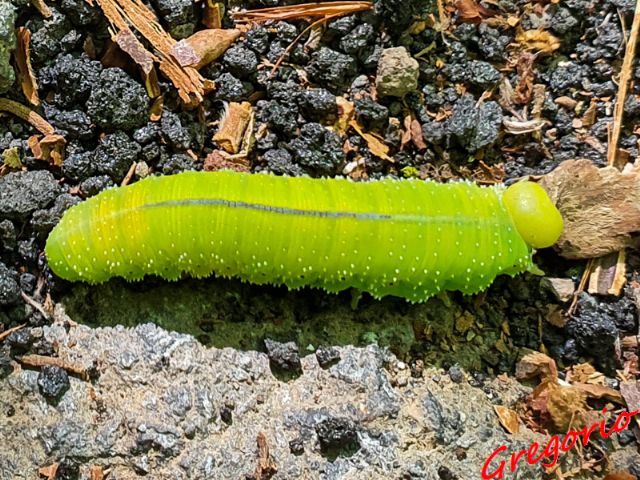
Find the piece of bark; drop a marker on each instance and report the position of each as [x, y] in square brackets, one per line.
[600, 207]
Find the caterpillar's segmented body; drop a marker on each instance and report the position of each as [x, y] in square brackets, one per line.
[392, 237]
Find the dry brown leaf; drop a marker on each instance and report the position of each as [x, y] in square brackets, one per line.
[567, 407]
[49, 148]
[346, 112]
[555, 315]
[526, 76]
[25, 70]
[508, 419]
[564, 407]
[539, 41]
[203, 47]
[412, 133]
[600, 207]
[233, 125]
[375, 144]
[470, 11]
[584, 373]
[536, 364]
[598, 391]
[589, 117]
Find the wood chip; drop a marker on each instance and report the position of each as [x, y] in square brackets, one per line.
[41, 361]
[609, 274]
[204, 47]
[233, 125]
[600, 207]
[508, 419]
[25, 70]
[590, 115]
[566, 102]
[266, 467]
[620, 476]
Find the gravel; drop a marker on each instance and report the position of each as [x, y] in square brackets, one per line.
[22, 193]
[397, 73]
[117, 101]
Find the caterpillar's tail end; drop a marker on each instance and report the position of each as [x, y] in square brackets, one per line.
[536, 218]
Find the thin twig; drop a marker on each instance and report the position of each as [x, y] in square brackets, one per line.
[26, 114]
[5, 334]
[625, 77]
[38, 361]
[297, 39]
[35, 305]
[315, 9]
[583, 283]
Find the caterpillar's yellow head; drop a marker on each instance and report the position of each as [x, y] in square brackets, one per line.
[536, 218]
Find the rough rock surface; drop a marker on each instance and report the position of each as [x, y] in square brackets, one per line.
[167, 407]
[397, 73]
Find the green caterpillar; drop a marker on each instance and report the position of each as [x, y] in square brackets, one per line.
[407, 238]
